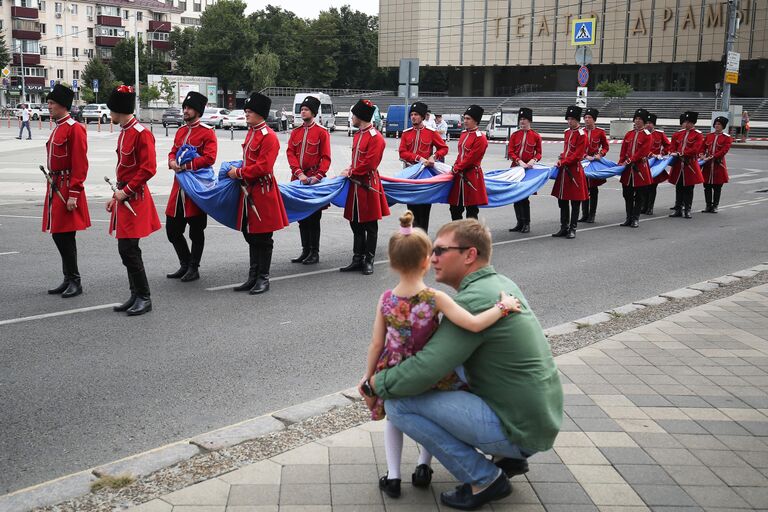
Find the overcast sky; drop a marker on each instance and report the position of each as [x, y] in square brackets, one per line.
[310, 9]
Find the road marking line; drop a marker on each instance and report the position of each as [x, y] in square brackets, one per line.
[7, 253]
[92, 220]
[55, 314]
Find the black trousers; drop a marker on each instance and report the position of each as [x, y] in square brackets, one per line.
[174, 229]
[260, 246]
[712, 194]
[523, 211]
[650, 197]
[457, 212]
[309, 229]
[589, 207]
[421, 214]
[683, 195]
[366, 235]
[569, 217]
[130, 253]
[634, 198]
[67, 246]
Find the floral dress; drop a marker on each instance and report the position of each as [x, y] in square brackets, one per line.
[410, 323]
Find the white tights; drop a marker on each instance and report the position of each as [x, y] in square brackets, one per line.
[393, 447]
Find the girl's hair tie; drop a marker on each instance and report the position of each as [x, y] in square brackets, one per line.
[406, 230]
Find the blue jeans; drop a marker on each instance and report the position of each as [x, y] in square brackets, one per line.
[21, 130]
[453, 425]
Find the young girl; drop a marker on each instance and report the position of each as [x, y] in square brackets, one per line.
[406, 318]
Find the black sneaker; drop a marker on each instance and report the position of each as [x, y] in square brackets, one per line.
[422, 476]
[390, 487]
[463, 499]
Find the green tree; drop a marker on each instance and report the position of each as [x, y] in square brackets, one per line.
[223, 44]
[182, 43]
[618, 90]
[96, 70]
[122, 63]
[5, 55]
[284, 34]
[167, 91]
[320, 56]
[148, 93]
[263, 68]
[357, 55]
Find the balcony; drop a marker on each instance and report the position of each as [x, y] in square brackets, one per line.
[160, 26]
[30, 59]
[24, 12]
[111, 21]
[30, 82]
[161, 45]
[108, 41]
[25, 34]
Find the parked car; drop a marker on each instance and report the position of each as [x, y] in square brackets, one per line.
[236, 119]
[36, 111]
[215, 116]
[455, 124]
[275, 120]
[76, 113]
[97, 112]
[377, 121]
[173, 116]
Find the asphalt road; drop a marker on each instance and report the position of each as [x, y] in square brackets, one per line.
[85, 388]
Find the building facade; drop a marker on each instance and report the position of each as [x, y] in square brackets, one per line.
[55, 39]
[497, 47]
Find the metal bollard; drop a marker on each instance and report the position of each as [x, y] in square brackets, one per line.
[232, 132]
[166, 130]
[151, 127]
[98, 125]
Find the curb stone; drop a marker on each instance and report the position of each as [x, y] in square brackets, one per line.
[78, 484]
[148, 462]
[681, 293]
[597, 318]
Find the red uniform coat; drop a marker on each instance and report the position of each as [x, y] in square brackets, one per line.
[136, 164]
[636, 147]
[367, 151]
[204, 139]
[468, 179]
[689, 144]
[309, 152]
[67, 150]
[597, 145]
[571, 183]
[660, 146]
[716, 145]
[260, 151]
[421, 143]
[524, 145]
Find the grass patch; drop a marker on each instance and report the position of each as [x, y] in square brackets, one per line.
[580, 325]
[112, 482]
[615, 314]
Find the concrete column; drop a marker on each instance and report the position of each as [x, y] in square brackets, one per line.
[466, 81]
[765, 84]
[488, 83]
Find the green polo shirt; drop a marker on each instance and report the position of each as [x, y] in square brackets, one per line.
[509, 365]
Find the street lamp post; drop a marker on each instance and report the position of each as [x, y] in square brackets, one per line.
[136, 63]
[23, 84]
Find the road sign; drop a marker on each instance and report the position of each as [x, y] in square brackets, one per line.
[583, 31]
[408, 91]
[731, 77]
[53, 83]
[6, 72]
[95, 85]
[74, 85]
[583, 76]
[583, 56]
[409, 71]
[732, 63]
[581, 97]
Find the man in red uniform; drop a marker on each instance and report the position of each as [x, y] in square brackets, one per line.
[524, 149]
[136, 164]
[636, 177]
[597, 148]
[309, 156]
[468, 190]
[181, 210]
[366, 203]
[659, 147]
[64, 215]
[261, 206]
[687, 144]
[571, 183]
[715, 171]
[421, 144]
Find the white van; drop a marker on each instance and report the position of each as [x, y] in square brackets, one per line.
[495, 130]
[326, 116]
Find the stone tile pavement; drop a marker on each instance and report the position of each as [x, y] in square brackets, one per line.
[672, 415]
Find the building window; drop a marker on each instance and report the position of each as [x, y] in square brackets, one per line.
[108, 10]
[41, 5]
[183, 5]
[197, 7]
[76, 74]
[195, 22]
[26, 25]
[59, 30]
[89, 10]
[159, 36]
[43, 50]
[88, 52]
[139, 16]
[57, 7]
[27, 46]
[59, 51]
[60, 74]
[76, 52]
[75, 30]
[104, 53]
[126, 15]
[111, 32]
[42, 28]
[90, 32]
[73, 9]
[169, 3]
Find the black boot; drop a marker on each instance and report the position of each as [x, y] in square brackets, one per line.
[142, 304]
[313, 258]
[301, 257]
[261, 285]
[262, 281]
[677, 213]
[716, 199]
[563, 231]
[687, 213]
[592, 208]
[519, 217]
[127, 304]
[182, 252]
[357, 264]
[183, 267]
[73, 288]
[571, 234]
[585, 210]
[60, 289]
[368, 264]
[305, 242]
[192, 273]
[253, 270]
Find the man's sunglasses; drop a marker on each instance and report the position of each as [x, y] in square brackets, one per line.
[439, 251]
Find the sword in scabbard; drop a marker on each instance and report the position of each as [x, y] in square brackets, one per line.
[363, 185]
[52, 184]
[466, 180]
[125, 202]
[568, 172]
[250, 200]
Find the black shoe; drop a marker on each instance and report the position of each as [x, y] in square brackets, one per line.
[368, 266]
[248, 284]
[563, 231]
[192, 274]
[526, 228]
[714, 209]
[634, 224]
[678, 213]
[125, 305]
[687, 214]
[179, 273]
[649, 211]
[463, 499]
[571, 234]
[357, 264]
[583, 217]
[260, 286]
[73, 290]
[18, 138]
[313, 258]
[140, 306]
[518, 227]
[59, 289]
[422, 477]
[512, 467]
[390, 487]
[673, 208]
[626, 223]
[590, 219]
[301, 257]
[643, 211]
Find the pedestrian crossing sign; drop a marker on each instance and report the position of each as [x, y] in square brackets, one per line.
[583, 31]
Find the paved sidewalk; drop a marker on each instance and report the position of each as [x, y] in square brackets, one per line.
[670, 414]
